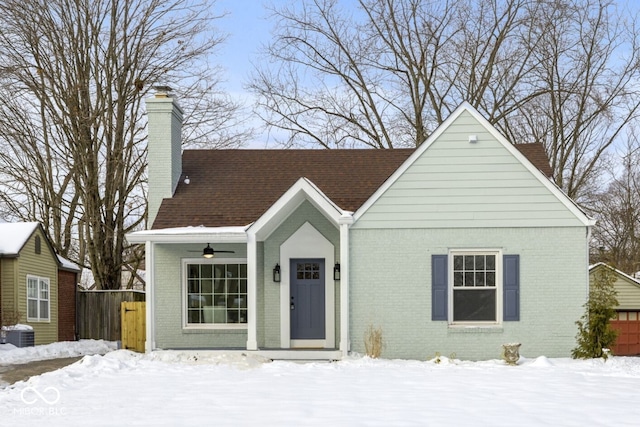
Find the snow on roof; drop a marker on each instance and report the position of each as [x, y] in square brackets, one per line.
[13, 236]
[68, 265]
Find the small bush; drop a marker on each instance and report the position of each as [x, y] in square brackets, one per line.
[373, 342]
[9, 317]
[595, 335]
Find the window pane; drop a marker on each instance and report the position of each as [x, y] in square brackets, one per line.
[491, 279]
[474, 305]
[232, 285]
[458, 279]
[468, 262]
[193, 316]
[193, 286]
[479, 279]
[193, 270]
[32, 288]
[468, 279]
[491, 262]
[232, 270]
[206, 286]
[32, 308]
[206, 270]
[195, 300]
[479, 262]
[44, 309]
[219, 286]
[219, 271]
[457, 262]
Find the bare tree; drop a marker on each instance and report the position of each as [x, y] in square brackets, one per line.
[73, 77]
[616, 237]
[560, 72]
[587, 69]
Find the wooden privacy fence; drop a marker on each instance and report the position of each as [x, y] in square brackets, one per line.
[99, 313]
[133, 325]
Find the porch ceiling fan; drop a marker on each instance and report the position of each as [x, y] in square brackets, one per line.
[209, 252]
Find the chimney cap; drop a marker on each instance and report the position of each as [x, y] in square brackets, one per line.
[162, 91]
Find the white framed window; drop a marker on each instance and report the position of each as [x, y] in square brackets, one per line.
[215, 293]
[475, 287]
[38, 299]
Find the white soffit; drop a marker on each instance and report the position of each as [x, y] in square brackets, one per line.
[190, 235]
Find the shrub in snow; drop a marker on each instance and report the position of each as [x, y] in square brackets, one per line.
[373, 342]
[595, 334]
[9, 317]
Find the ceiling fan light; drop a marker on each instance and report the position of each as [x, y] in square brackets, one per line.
[208, 252]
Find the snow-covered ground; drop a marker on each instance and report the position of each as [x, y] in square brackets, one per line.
[178, 388]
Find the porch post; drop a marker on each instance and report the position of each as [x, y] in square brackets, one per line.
[252, 292]
[150, 341]
[345, 221]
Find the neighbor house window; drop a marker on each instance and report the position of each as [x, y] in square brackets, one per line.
[476, 287]
[216, 293]
[38, 299]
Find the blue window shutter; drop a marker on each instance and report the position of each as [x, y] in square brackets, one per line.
[439, 269]
[511, 287]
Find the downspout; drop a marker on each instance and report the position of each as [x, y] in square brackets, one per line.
[252, 292]
[345, 222]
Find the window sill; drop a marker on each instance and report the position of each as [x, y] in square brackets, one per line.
[193, 329]
[474, 329]
[29, 320]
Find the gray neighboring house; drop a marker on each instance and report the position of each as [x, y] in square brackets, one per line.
[458, 246]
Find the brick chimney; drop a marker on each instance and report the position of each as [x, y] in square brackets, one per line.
[164, 152]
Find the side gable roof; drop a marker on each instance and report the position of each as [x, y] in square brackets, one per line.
[631, 280]
[236, 187]
[14, 235]
[519, 151]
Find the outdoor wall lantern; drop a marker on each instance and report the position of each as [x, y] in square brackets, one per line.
[276, 273]
[336, 271]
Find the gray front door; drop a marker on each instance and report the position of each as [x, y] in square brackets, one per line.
[307, 305]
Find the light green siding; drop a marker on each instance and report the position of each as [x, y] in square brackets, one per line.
[458, 184]
[628, 291]
[391, 288]
[169, 288]
[306, 212]
[169, 301]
